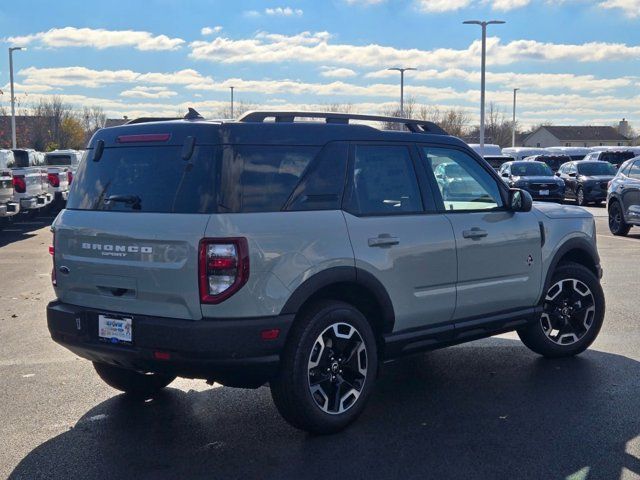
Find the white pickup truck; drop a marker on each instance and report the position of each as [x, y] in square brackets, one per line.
[8, 207]
[30, 180]
[61, 165]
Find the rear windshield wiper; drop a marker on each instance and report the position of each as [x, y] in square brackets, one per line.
[132, 200]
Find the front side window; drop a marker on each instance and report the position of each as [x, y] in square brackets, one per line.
[464, 185]
[383, 181]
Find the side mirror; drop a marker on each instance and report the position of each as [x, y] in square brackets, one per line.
[520, 200]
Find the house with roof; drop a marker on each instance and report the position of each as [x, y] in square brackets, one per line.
[576, 136]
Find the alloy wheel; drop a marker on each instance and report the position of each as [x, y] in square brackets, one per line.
[569, 311]
[615, 217]
[580, 197]
[337, 368]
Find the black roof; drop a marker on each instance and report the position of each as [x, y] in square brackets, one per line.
[208, 132]
[585, 133]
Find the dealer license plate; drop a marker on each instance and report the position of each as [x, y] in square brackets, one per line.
[115, 330]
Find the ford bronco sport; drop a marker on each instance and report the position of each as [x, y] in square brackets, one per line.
[303, 254]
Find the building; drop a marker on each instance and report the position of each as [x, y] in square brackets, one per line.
[580, 136]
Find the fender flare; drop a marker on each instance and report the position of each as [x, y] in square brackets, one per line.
[337, 275]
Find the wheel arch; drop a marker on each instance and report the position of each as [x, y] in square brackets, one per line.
[352, 285]
[576, 250]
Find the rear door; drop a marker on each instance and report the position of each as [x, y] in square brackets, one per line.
[128, 240]
[398, 236]
[499, 251]
[630, 194]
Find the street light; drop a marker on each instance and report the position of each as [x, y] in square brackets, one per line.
[482, 73]
[513, 125]
[232, 88]
[401, 70]
[13, 98]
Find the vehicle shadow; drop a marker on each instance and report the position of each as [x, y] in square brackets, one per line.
[490, 410]
[22, 226]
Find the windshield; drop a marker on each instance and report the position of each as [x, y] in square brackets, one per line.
[617, 158]
[531, 169]
[555, 161]
[57, 159]
[596, 168]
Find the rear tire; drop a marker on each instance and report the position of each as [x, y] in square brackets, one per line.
[580, 200]
[617, 225]
[328, 369]
[136, 384]
[574, 308]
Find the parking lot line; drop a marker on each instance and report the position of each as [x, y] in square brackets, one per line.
[635, 240]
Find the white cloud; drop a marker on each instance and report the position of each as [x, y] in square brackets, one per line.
[148, 92]
[283, 12]
[251, 13]
[337, 72]
[364, 2]
[317, 47]
[210, 30]
[506, 5]
[437, 6]
[97, 38]
[631, 8]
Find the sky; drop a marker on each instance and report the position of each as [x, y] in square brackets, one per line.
[575, 61]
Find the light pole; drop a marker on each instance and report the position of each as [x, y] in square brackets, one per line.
[401, 70]
[13, 98]
[232, 88]
[483, 24]
[513, 125]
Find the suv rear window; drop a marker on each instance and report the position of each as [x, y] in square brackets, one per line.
[228, 179]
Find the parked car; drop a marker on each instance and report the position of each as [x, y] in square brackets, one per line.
[586, 181]
[496, 161]
[614, 157]
[520, 153]
[303, 254]
[30, 181]
[623, 198]
[575, 153]
[61, 165]
[534, 177]
[8, 206]
[552, 161]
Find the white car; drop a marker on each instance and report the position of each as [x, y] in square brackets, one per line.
[489, 149]
[30, 180]
[520, 153]
[576, 153]
[61, 166]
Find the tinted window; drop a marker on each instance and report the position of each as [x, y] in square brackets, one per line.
[383, 181]
[261, 178]
[473, 189]
[146, 179]
[57, 159]
[635, 171]
[596, 168]
[322, 186]
[530, 169]
[22, 158]
[553, 162]
[616, 158]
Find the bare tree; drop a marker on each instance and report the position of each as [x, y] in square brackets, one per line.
[93, 118]
[239, 108]
[339, 108]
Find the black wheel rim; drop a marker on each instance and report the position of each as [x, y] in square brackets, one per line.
[337, 368]
[569, 311]
[615, 217]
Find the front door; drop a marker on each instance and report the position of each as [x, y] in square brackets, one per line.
[499, 251]
[398, 236]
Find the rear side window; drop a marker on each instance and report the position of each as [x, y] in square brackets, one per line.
[383, 181]
[258, 178]
[146, 179]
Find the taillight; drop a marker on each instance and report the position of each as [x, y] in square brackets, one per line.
[19, 184]
[70, 177]
[223, 268]
[52, 252]
[53, 179]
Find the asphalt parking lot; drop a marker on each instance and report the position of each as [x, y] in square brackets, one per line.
[488, 409]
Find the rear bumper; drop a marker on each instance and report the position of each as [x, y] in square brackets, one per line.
[9, 209]
[36, 202]
[229, 351]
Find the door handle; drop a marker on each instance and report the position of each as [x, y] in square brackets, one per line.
[383, 240]
[474, 233]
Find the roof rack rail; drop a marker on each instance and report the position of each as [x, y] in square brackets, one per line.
[415, 126]
[150, 119]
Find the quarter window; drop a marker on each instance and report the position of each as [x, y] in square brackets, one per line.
[383, 181]
[464, 185]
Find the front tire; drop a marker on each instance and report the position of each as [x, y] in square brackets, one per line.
[136, 384]
[573, 313]
[617, 225]
[328, 369]
[580, 200]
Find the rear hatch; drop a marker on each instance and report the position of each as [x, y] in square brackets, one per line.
[129, 236]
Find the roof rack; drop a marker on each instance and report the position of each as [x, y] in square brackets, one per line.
[150, 119]
[415, 126]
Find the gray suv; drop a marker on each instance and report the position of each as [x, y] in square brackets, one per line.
[305, 254]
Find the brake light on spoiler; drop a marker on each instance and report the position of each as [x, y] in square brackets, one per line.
[223, 268]
[145, 137]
